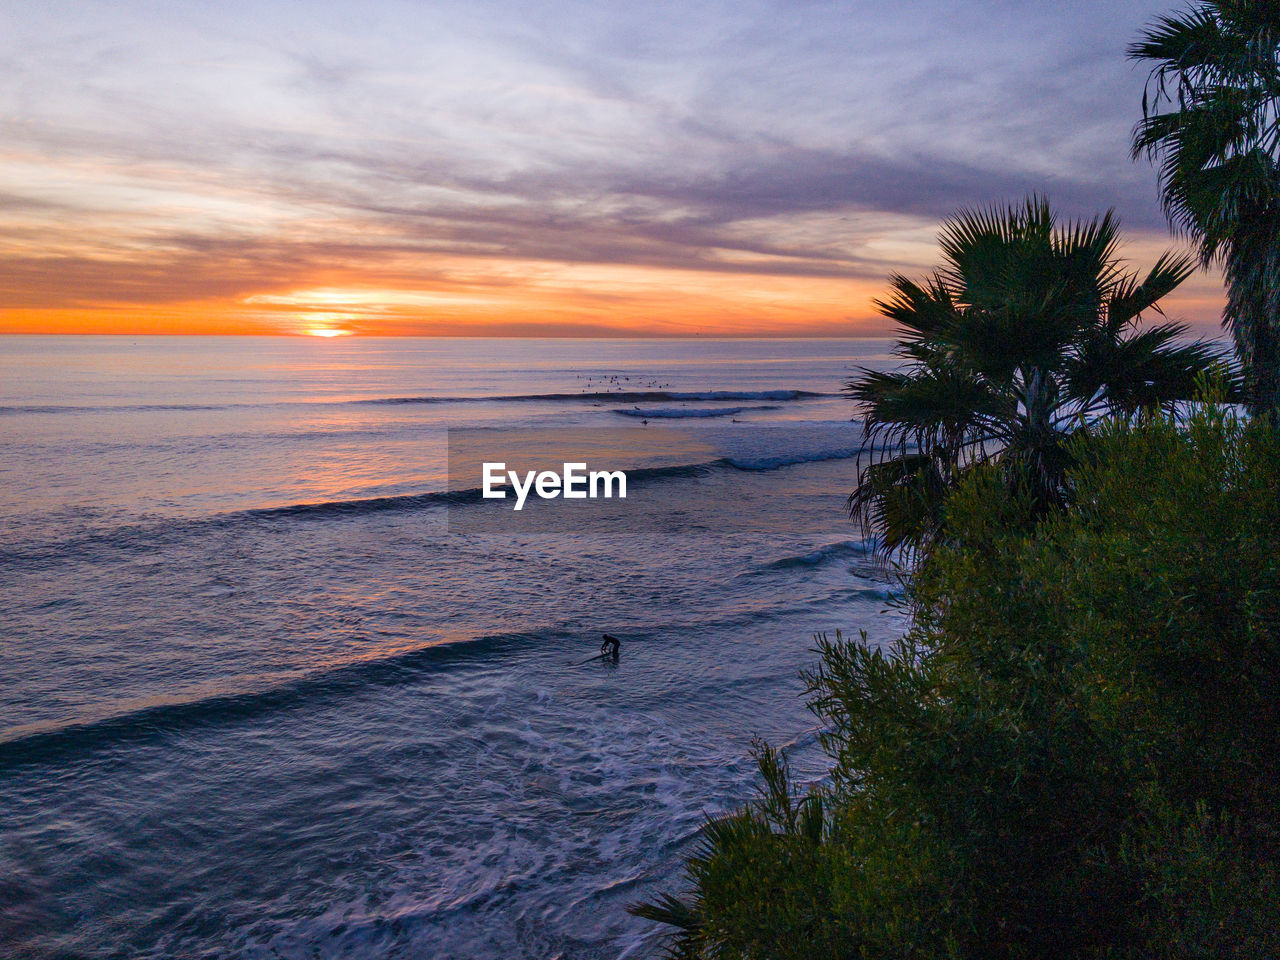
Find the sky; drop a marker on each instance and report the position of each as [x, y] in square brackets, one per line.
[523, 167]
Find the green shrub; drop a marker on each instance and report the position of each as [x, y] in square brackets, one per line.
[1073, 751]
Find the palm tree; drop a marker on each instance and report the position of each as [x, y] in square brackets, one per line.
[1027, 331]
[1211, 113]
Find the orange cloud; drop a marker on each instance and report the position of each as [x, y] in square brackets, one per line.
[495, 298]
[129, 250]
[481, 297]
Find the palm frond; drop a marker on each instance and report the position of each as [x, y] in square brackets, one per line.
[1211, 119]
[898, 503]
[1145, 371]
[1131, 297]
[1023, 331]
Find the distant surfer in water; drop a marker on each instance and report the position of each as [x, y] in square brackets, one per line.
[608, 650]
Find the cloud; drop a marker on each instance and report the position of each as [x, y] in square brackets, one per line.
[171, 153]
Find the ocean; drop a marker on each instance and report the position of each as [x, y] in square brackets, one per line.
[263, 693]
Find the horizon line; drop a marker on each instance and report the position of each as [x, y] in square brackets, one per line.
[470, 336]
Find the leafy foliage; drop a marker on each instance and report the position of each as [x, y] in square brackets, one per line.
[1211, 117]
[1070, 754]
[1028, 329]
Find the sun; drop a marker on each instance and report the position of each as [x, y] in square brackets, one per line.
[326, 332]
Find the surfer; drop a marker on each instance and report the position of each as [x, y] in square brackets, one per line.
[608, 651]
[610, 647]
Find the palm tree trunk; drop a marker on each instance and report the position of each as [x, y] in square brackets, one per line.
[1253, 315]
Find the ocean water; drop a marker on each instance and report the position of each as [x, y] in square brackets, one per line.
[260, 697]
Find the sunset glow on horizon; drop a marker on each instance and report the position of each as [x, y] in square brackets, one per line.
[507, 169]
